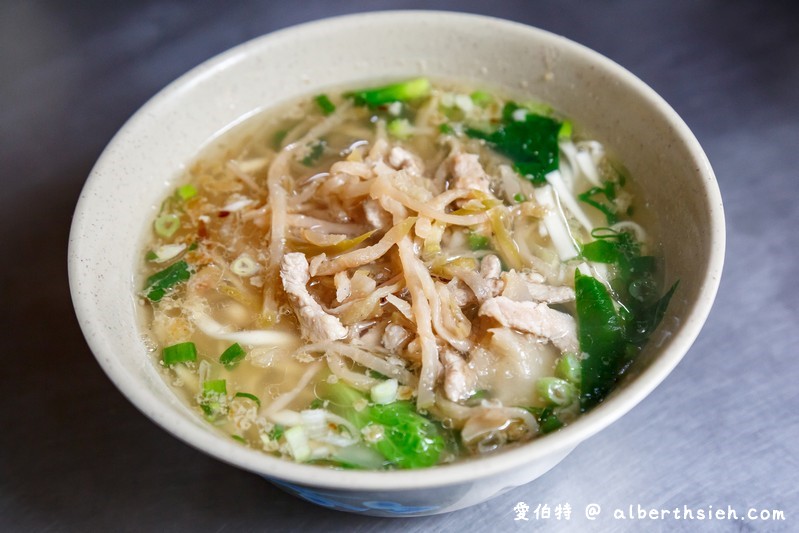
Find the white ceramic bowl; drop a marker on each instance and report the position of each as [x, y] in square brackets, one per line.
[134, 173]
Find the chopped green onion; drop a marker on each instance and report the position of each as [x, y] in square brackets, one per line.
[193, 246]
[232, 355]
[167, 225]
[151, 255]
[325, 105]
[481, 98]
[277, 139]
[446, 129]
[400, 128]
[215, 385]
[183, 352]
[276, 432]
[158, 284]
[249, 396]
[239, 438]
[519, 197]
[568, 368]
[565, 131]
[556, 391]
[397, 92]
[478, 242]
[315, 153]
[214, 398]
[187, 191]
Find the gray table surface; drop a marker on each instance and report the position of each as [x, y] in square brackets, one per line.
[720, 431]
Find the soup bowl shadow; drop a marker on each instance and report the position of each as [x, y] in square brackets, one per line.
[139, 165]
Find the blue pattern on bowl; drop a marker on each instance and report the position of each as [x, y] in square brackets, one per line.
[354, 502]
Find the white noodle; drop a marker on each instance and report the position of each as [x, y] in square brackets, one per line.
[343, 372]
[249, 180]
[588, 169]
[556, 225]
[625, 225]
[364, 358]
[382, 187]
[425, 396]
[365, 255]
[259, 337]
[282, 401]
[566, 197]
[304, 221]
[402, 306]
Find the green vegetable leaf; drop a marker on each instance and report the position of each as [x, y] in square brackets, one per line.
[409, 440]
[641, 308]
[375, 374]
[159, 283]
[601, 251]
[325, 105]
[601, 336]
[608, 208]
[646, 321]
[478, 397]
[396, 92]
[548, 420]
[529, 139]
[316, 403]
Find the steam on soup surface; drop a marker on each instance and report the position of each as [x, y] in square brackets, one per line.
[398, 277]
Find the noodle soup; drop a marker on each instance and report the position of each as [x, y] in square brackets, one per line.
[399, 277]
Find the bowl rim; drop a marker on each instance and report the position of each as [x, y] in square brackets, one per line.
[468, 470]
